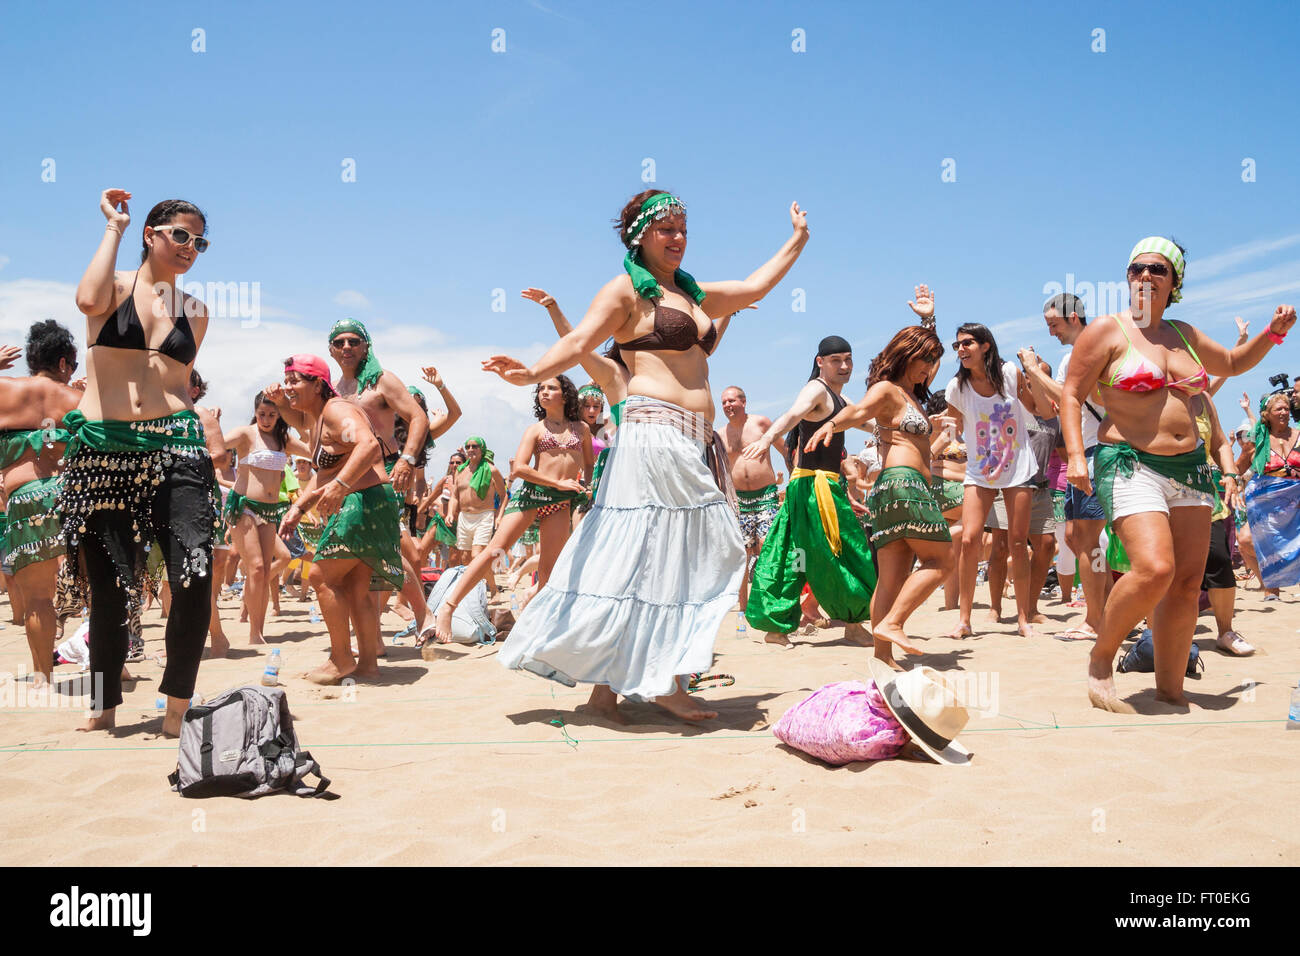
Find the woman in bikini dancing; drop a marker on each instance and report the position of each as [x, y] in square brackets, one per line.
[1151, 474]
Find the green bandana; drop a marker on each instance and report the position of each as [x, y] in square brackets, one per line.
[591, 390]
[369, 371]
[1260, 436]
[1163, 247]
[180, 431]
[655, 207]
[482, 477]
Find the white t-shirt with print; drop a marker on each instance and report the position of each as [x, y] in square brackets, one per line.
[1090, 421]
[996, 432]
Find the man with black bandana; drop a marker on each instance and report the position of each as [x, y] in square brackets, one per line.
[815, 537]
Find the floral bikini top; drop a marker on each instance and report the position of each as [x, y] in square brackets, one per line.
[1137, 373]
[913, 422]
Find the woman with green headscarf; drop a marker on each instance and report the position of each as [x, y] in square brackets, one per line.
[1273, 495]
[1151, 472]
[638, 594]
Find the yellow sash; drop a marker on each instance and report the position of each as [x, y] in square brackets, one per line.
[825, 502]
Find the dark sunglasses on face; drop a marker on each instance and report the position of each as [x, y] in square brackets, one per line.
[182, 237]
[964, 344]
[343, 342]
[1157, 269]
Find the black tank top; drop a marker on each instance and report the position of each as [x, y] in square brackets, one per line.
[828, 458]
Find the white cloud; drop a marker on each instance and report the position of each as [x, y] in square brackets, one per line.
[351, 299]
[1030, 323]
[4, 261]
[1231, 258]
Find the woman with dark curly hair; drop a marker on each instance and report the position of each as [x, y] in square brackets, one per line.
[559, 447]
[637, 597]
[907, 525]
[1150, 469]
[138, 469]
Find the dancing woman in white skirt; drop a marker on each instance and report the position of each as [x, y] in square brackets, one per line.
[640, 590]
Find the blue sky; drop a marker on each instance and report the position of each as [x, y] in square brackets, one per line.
[479, 170]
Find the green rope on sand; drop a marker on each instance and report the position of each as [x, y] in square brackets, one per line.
[568, 739]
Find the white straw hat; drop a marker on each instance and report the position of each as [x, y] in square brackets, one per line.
[928, 708]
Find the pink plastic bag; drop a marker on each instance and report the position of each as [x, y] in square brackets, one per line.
[841, 723]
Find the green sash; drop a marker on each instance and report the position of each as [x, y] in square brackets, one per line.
[17, 442]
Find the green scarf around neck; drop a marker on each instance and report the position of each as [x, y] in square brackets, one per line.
[646, 285]
[1260, 436]
[482, 477]
[368, 372]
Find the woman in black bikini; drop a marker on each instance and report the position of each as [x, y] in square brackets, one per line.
[138, 473]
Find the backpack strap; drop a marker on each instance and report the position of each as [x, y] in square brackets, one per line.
[304, 764]
[205, 750]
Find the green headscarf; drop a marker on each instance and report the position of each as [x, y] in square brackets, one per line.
[655, 207]
[369, 371]
[1260, 436]
[482, 477]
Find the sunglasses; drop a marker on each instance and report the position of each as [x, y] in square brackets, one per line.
[964, 344]
[182, 237]
[343, 342]
[1157, 269]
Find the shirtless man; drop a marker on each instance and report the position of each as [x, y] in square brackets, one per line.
[755, 480]
[471, 512]
[383, 396]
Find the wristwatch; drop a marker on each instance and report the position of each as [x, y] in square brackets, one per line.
[409, 459]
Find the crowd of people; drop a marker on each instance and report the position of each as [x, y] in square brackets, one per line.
[1107, 484]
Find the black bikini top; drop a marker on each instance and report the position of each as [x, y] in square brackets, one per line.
[123, 330]
[675, 331]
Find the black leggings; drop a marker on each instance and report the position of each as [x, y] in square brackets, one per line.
[1218, 562]
[181, 515]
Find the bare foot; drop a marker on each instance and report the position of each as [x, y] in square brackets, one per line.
[960, 631]
[885, 654]
[105, 721]
[994, 615]
[1101, 690]
[1027, 630]
[1038, 618]
[603, 704]
[256, 639]
[1173, 702]
[894, 635]
[858, 634]
[175, 716]
[365, 673]
[329, 673]
[682, 705]
[442, 624]
[220, 646]
[772, 638]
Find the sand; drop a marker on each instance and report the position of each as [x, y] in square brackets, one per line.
[457, 761]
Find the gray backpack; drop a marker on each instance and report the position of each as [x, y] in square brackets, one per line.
[242, 744]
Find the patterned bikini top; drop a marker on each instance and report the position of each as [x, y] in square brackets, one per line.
[551, 442]
[914, 422]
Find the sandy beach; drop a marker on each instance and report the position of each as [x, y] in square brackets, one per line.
[457, 761]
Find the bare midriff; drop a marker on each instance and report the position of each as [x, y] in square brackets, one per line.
[681, 378]
[1159, 422]
[259, 484]
[128, 385]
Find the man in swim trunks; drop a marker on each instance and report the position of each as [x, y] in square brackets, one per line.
[755, 480]
[477, 483]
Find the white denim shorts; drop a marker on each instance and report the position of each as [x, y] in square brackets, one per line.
[1148, 490]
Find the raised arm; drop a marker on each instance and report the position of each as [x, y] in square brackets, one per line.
[297, 420]
[1218, 360]
[604, 371]
[809, 397]
[95, 291]
[1243, 333]
[606, 314]
[881, 401]
[441, 422]
[724, 298]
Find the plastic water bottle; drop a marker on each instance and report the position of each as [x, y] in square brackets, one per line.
[314, 615]
[271, 676]
[742, 628]
[159, 704]
[1293, 715]
[514, 603]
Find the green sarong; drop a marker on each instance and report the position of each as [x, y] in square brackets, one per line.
[531, 497]
[19, 441]
[532, 534]
[948, 494]
[310, 534]
[758, 502]
[366, 528]
[1190, 469]
[271, 512]
[33, 528]
[598, 469]
[797, 549]
[903, 506]
[445, 534]
[1058, 505]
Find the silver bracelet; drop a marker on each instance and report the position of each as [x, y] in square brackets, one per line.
[342, 482]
